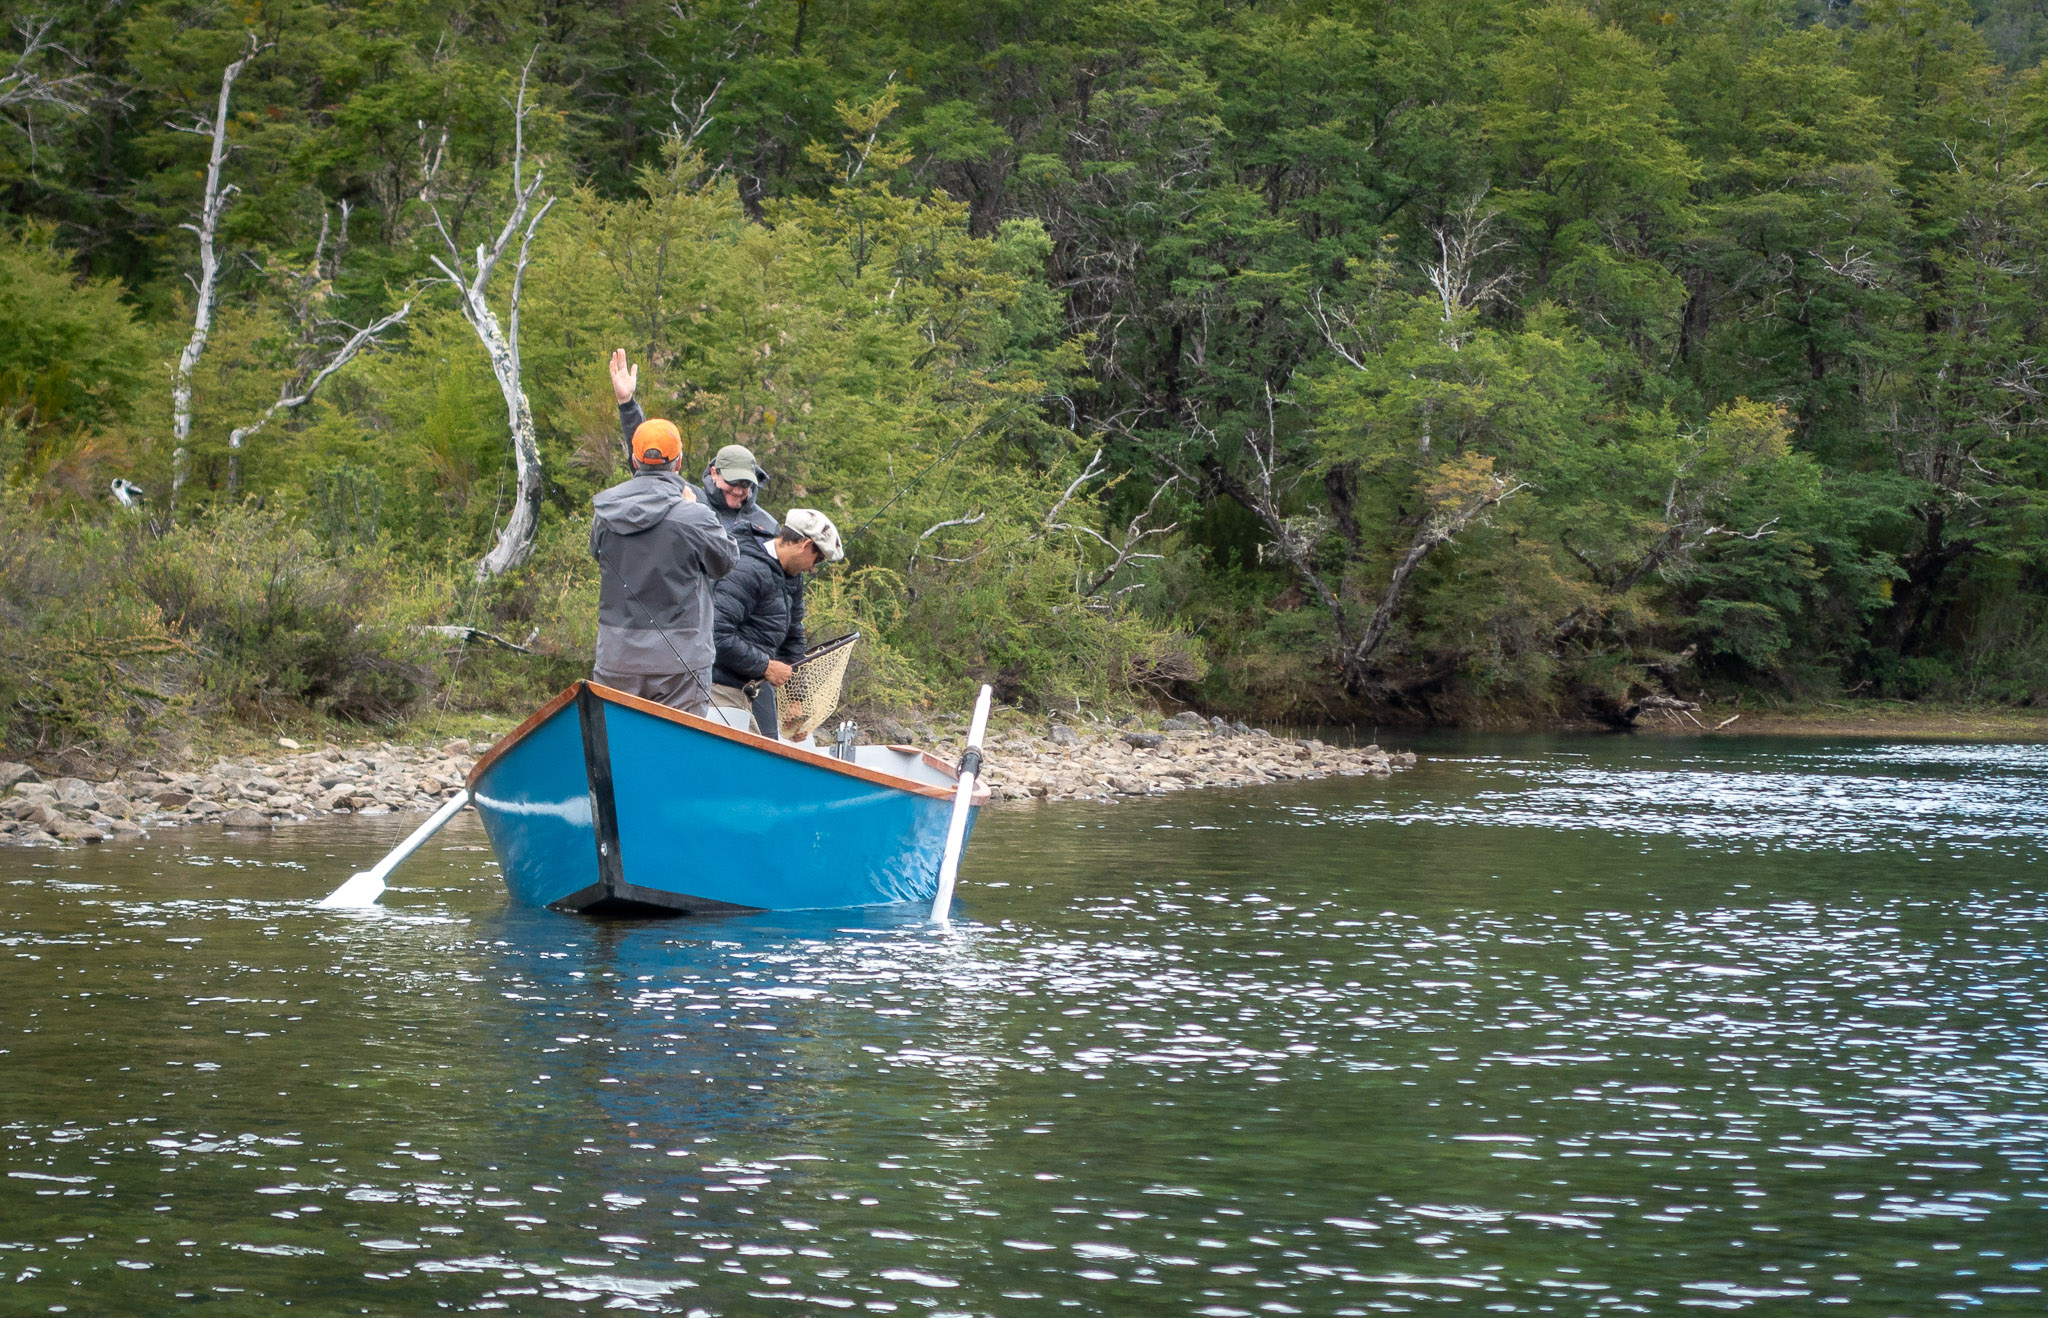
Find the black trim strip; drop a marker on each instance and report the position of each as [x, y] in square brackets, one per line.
[580, 900]
[632, 900]
[679, 903]
[604, 811]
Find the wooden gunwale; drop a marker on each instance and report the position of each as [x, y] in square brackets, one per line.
[773, 747]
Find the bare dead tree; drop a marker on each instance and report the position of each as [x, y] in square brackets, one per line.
[288, 401]
[973, 519]
[1124, 551]
[689, 125]
[471, 278]
[320, 355]
[213, 202]
[1089, 472]
[1261, 494]
[1452, 507]
[29, 84]
[1464, 239]
[1687, 526]
[1091, 579]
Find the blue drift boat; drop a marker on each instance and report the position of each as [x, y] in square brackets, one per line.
[608, 804]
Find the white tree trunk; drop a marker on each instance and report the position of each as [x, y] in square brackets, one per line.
[515, 538]
[501, 343]
[212, 203]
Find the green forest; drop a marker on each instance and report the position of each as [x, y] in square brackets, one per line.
[1453, 361]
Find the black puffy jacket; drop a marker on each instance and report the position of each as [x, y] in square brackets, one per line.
[758, 615]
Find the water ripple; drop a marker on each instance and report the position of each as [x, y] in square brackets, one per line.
[1629, 1033]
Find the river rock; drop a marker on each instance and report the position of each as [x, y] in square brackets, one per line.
[77, 830]
[1145, 740]
[12, 773]
[36, 814]
[72, 791]
[246, 818]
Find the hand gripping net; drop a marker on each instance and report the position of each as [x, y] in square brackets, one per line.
[812, 692]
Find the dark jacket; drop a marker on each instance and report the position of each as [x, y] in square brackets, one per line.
[750, 513]
[760, 615]
[658, 558]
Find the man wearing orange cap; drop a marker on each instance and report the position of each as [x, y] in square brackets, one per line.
[659, 552]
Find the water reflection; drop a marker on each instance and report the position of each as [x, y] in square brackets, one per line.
[1228, 1054]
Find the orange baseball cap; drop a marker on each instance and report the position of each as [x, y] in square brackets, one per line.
[657, 441]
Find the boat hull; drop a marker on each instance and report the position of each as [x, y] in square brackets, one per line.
[607, 804]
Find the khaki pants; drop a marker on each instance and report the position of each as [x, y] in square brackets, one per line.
[676, 690]
[732, 697]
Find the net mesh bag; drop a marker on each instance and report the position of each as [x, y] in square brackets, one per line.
[810, 695]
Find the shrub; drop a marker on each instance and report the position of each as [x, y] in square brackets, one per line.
[279, 624]
[84, 659]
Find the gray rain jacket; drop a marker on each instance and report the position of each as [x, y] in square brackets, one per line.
[734, 520]
[658, 558]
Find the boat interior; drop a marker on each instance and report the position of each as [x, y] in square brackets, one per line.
[902, 761]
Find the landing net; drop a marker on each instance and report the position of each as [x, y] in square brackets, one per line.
[812, 692]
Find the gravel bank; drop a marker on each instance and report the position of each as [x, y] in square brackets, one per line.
[1060, 763]
[1099, 764]
[240, 793]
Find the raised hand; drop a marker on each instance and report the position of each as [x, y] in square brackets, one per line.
[625, 377]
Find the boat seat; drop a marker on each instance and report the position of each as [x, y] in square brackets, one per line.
[732, 718]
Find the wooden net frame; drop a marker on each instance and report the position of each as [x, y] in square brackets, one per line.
[812, 692]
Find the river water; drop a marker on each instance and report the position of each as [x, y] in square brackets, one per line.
[1564, 1026]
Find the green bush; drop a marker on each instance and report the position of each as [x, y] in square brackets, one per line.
[280, 625]
[84, 658]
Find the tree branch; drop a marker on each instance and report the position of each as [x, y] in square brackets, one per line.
[1439, 528]
[288, 401]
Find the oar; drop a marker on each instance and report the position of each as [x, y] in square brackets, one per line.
[365, 888]
[956, 831]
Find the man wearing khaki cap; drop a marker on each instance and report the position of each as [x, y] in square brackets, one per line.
[730, 482]
[758, 626]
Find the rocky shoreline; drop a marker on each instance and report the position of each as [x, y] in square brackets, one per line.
[1099, 763]
[1060, 763]
[246, 792]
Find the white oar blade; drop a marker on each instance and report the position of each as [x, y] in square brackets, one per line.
[365, 888]
[361, 890]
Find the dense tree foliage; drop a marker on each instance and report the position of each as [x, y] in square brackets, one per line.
[1462, 356]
